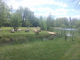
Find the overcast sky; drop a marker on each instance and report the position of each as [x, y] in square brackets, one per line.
[58, 8]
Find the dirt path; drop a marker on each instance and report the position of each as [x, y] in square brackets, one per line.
[51, 33]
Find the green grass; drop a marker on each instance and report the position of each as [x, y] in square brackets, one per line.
[20, 37]
[6, 31]
[28, 46]
[57, 49]
[23, 28]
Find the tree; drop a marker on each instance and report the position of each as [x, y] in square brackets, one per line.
[26, 13]
[78, 24]
[62, 21]
[4, 13]
[74, 21]
[28, 24]
[49, 22]
[42, 23]
[35, 22]
[20, 13]
[16, 21]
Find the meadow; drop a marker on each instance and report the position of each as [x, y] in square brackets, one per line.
[20, 37]
[28, 46]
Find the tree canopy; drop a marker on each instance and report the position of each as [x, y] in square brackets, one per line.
[25, 17]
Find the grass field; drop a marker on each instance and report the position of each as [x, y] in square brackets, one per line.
[40, 49]
[6, 30]
[57, 49]
[20, 37]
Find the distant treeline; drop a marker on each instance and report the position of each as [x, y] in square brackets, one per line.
[24, 17]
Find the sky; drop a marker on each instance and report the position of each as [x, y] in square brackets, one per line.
[57, 8]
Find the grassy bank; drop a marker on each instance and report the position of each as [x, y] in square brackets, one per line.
[56, 49]
[6, 37]
[28, 46]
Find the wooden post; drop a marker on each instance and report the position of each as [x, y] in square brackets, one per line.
[71, 28]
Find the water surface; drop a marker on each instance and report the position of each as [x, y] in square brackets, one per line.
[67, 31]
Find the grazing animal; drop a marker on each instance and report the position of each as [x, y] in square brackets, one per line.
[0, 29]
[12, 31]
[15, 29]
[19, 30]
[36, 31]
[26, 30]
[39, 30]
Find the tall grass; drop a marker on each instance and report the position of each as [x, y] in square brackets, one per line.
[28, 46]
[56, 49]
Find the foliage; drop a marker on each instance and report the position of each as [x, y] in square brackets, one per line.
[28, 24]
[15, 20]
[25, 17]
[60, 22]
[49, 22]
[4, 13]
[42, 23]
[77, 24]
[46, 24]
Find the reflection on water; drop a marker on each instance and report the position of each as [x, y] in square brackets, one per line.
[68, 34]
[67, 31]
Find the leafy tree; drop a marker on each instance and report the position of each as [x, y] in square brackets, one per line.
[78, 24]
[25, 16]
[49, 22]
[28, 24]
[7, 23]
[74, 21]
[4, 13]
[15, 20]
[35, 22]
[61, 21]
[42, 23]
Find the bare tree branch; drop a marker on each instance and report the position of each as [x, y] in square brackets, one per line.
[77, 4]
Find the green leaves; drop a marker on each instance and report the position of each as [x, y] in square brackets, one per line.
[4, 11]
[28, 23]
[15, 20]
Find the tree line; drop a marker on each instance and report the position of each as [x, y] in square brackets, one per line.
[24, 17]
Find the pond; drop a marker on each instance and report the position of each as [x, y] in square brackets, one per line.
[67, 31]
